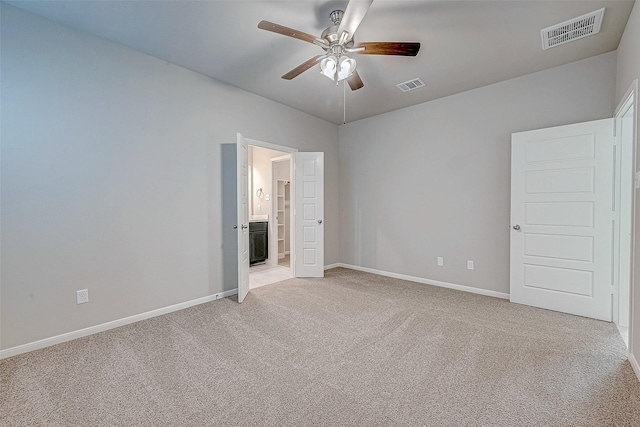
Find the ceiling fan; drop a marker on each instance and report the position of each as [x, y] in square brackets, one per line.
[338, 41]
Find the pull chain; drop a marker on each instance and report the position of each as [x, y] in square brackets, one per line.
[344, 102]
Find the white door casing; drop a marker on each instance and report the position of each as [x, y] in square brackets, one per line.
[561, 218]
[624, 189]
[309, 214]
[243, 217]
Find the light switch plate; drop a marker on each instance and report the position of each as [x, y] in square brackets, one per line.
[440, 261]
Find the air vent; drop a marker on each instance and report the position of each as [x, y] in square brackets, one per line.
[411, 85]
[573, 29]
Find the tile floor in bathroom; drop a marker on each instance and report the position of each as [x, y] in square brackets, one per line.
[263, 274]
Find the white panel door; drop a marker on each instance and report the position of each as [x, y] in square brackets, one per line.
[243, 217]
[309, 214]
[561, 218]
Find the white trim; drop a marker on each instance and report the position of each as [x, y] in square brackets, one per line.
[271, 146]
[632, 91]
[634, 365]
[58, 339]
[336, 265]
[457, 287]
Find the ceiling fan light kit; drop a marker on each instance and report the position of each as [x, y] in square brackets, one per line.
[337, 41]
[337, 69]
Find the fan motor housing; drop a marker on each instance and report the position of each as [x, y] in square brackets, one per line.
[330, 35]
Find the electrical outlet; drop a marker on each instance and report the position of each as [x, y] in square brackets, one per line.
[469, 265]
[82, 296]
[440, 261]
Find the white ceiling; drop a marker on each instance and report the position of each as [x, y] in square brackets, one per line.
[465, 44]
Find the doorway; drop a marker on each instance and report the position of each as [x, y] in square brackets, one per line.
[624, 212]
[307, 200]
[269, 215]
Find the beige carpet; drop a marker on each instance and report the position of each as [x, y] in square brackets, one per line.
[352, 349]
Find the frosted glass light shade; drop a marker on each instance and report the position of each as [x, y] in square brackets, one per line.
[328, 66]
[346, 67]
[337, 69]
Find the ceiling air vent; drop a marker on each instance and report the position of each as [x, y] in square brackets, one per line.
[411, 85]
[573, 29]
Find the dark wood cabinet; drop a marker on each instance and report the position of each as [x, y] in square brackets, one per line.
[258, 242]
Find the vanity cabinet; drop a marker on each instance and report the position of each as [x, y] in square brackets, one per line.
[258, 242]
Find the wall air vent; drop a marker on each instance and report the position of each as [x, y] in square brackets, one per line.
[411, 85]
[573, 29]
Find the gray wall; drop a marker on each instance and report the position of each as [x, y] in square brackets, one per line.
[629, 69]
[112, 178]
[434, 179]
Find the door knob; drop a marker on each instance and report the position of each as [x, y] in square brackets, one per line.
[319, 221]
[516, 227]
[244, 226]
[235, 227]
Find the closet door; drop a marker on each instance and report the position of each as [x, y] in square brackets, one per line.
[309, 214]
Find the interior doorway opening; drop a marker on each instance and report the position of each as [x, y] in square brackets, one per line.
[269, 183]
[306, 198]
[624, 189]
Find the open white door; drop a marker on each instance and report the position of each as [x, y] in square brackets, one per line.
[561, 218]
[309, 214]
[243, 217]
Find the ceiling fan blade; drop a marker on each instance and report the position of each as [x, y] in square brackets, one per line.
[389, 48]
[302, 67]
[353, 16]
[355, 82]
[286, 31]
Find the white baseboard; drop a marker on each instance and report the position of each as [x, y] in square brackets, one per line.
[58, 339]
[422, 280]
[330, 266]
[634, 365]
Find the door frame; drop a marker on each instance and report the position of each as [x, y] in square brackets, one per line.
[290, 152]
[632, 92]
[621, 251]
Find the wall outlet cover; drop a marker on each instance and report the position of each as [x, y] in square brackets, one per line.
[82, 296]
[470, 265]
[440, 261]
